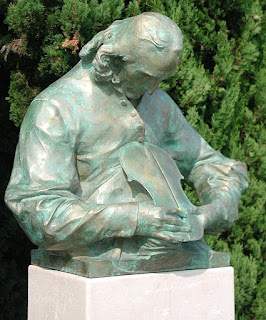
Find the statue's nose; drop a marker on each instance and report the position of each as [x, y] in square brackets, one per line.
[153, 87]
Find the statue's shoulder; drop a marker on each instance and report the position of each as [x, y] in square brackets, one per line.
[68, 98]
[160, 102]
[160, 93]
[69, 91]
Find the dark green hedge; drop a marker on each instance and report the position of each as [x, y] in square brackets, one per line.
[220, 87]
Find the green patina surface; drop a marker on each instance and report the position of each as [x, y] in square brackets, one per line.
[96, 178]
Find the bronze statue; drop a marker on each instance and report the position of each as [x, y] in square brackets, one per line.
[96, 181]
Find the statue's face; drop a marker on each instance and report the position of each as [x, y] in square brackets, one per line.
[146, 72]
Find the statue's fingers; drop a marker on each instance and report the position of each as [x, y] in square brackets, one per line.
[176, 212]
[176, 221]
[177, 236]
[176, 229]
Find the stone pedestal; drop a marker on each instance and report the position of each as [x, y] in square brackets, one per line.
[205, 294]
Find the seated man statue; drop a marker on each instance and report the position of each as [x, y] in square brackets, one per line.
[96, 174]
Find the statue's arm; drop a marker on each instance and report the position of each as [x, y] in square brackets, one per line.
[44, 189]
[219, 181]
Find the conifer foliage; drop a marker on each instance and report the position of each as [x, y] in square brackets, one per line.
[219, 85]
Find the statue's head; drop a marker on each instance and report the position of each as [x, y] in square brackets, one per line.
[136, 53]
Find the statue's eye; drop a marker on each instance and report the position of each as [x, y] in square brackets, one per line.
[145, 76]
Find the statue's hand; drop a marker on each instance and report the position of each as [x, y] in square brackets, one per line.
[200, 218]
[196, 221]
[162, 223]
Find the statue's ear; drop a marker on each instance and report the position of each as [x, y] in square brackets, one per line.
[88, 52]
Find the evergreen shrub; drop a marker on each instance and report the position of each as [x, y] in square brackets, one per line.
[219, 85]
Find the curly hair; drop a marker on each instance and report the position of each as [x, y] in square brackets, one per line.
[106, 50]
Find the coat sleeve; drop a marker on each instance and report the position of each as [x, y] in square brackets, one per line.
[44, 189]
[218, 181]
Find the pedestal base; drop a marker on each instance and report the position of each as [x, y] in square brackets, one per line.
[205, 294]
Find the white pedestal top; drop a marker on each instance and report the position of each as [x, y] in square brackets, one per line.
[206, 294]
